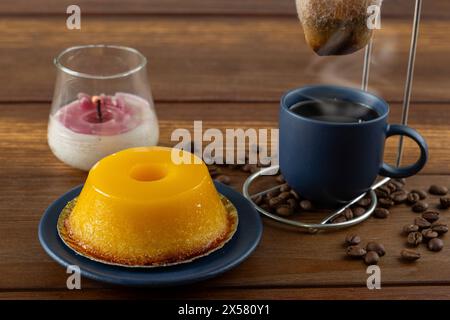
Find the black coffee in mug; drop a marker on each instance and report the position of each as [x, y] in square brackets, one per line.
[339, 111]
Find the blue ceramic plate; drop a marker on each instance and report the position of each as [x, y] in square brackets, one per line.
[244, 241]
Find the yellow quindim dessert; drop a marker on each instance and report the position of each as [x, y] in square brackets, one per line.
[139, 208]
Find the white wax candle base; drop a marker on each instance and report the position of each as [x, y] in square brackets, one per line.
[82, 151]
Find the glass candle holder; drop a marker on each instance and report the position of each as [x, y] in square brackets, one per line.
[102, 104]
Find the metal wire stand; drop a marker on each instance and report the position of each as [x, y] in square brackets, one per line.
[327, 224]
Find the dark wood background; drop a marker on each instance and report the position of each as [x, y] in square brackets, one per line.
[227, 63]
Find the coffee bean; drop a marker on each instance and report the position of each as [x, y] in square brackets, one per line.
[412, 197]
[273, 193]
[376, 247]
[364, 202]
[420, 207]
[438, 190]
[305, 205]
[285, 188]
[284, 211]
[352, 239]
[400, 185]
[436, 244]
[431, 216]
[358, 211]
[429, 234]
[223, 179]
[258, 200]
[422, 223]
[371, 258]
[348, 214]
[292, 203]
[386, 189]
[410, 228]
[246, 168]
[284, 195]
[339, 219]
[295, 194]
[280, 179]
[385, 203]
[439, 227]
[399, 196]
[410, 255]
[414, 238]
[266, 207]
[275, 202]
[381, 213]
[445, 202]
[381, 193]
[392, 187]
[422, 194]
[356, 251]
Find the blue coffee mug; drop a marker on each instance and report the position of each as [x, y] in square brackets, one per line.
[332, 163]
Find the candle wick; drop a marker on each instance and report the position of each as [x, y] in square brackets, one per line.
[99, 110]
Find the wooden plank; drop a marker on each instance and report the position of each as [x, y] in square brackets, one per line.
[194, 58]
[338, 293]
[432, 8]
[26, 125]
[31, 178]
[285, 257]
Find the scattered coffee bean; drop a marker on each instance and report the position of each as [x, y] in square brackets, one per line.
[431, 216]
[402, 181]
[399, 196]
[364, 202]
[358, 211]
[292, 203]
[280, 179]
[410, 228]
[438, 190]
[275, 201]
[339, 219]
[413, 197]
[429, 234]
[422, 223]
[410, 255]
[436, 244]
[352, 239]
[381, 193]
[273, 193]
[284, 195]
[285, 188]
[356, 251]
[439, 227]
[376, 247]
[381, 213]
[414, 238]
[223, 179]
[305, 205]
[420, 206]
[392, 186]
[385, 203]
[422, 194]
[284, 211]
[371, 258]
[258, 200]
[295, 194]
[348, 214]
[445, 202]
[386, 189]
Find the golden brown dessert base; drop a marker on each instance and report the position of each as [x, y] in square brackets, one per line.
[144, 262]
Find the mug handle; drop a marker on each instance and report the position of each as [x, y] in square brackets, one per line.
[403, 172]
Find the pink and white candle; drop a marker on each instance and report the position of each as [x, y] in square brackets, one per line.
[90, 128]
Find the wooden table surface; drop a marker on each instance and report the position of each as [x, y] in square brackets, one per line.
[226, 63]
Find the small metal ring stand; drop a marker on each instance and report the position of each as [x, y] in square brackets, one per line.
[325, 223]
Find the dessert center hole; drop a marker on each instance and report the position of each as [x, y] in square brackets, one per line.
[148, 172]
